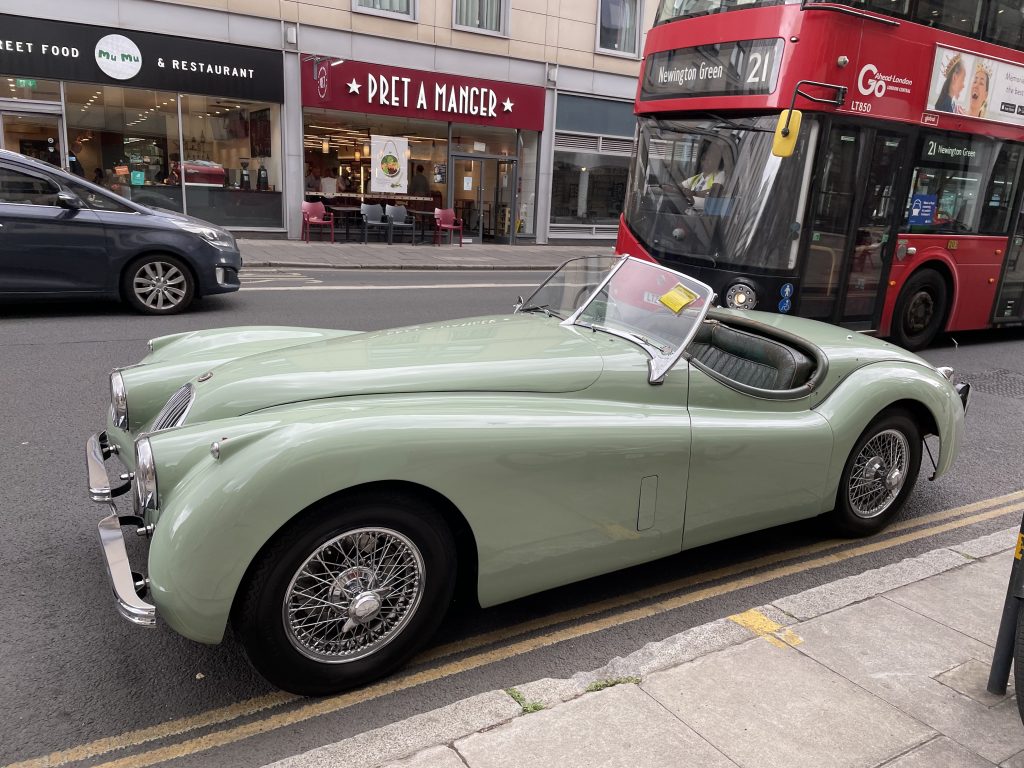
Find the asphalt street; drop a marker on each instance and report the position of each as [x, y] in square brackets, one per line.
[78, 681]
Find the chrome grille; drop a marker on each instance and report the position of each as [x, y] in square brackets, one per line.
[173, 413]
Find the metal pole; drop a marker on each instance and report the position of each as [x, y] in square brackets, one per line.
[1002, 657]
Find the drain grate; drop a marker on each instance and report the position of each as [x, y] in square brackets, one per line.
[997, 382]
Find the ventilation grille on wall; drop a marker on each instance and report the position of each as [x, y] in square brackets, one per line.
[607, 145]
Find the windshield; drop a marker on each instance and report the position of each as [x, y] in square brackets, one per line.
[670, 10]
[648, 304]
[710, 192]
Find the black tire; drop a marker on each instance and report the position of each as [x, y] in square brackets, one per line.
[920, 311]
[158, 284]
[865, 503]
[323, 666]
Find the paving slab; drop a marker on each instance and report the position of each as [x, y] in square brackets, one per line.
[896, 654]
[620, 727]
[773, 707]
[971, 679]
[942, 598]
[940, 753]
[988, 545]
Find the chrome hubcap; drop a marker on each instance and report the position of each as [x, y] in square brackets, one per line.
[159, 285]
[879, 473]
[353, 595]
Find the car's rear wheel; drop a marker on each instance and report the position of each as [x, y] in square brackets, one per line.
[879, 474]
[158, 284]
[347, 594]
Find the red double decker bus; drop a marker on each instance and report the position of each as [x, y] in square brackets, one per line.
[899, 210]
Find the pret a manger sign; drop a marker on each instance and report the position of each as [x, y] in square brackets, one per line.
[355, 86]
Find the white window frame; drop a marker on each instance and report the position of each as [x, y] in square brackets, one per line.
[639, 34]
[413, 14]
[504, 14]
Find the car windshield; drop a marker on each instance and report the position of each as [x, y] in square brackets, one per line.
[651, 305]
[709, 192]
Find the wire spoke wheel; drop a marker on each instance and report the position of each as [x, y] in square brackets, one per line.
[878, 474]
[353, 595]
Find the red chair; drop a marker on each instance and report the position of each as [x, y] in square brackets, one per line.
[444, 219]
[315, 215]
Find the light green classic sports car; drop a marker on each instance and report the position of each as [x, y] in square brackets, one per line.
[328, 492]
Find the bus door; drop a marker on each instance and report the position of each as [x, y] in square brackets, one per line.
[857, 209]
[1010, 302]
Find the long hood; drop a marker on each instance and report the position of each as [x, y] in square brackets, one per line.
[521, 353]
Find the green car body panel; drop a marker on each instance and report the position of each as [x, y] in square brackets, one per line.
[548, 439]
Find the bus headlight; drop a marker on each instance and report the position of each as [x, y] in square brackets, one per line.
[741, 296]
[146, 496]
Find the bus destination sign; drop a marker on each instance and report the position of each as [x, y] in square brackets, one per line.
[744, 68]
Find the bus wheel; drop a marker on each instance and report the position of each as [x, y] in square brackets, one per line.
[920, 310]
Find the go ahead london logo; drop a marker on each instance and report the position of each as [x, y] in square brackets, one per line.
[118, 57]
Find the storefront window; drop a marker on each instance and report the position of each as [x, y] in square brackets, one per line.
[29, 89]
[337, 149]
[231, 161]
[125, 139]
[529, 141]
[588, 188]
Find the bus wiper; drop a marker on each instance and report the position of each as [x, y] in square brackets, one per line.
[706, 256]
[736, 126]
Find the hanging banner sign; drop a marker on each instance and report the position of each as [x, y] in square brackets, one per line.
[976, 86]
[355, 86]
[57, 50]
[390, 164]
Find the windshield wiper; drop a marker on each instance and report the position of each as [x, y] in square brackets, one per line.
[664, 349]
[541, 308]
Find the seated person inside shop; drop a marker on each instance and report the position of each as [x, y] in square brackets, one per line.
[329, 183]
[418, 184]
[313, 179]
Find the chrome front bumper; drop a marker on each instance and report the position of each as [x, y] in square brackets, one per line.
[126, 584]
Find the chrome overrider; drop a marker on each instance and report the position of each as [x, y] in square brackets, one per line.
[129, 587]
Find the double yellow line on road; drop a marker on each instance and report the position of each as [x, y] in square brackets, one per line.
[958, 517]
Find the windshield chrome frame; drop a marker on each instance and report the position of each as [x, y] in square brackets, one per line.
[660, 364]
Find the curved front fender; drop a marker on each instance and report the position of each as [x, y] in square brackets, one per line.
[870, 390]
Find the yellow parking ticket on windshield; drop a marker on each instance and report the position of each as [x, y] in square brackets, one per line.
[679, 298]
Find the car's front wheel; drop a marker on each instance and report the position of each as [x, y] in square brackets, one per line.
[346, 594]
[879, 474]
[158, 284]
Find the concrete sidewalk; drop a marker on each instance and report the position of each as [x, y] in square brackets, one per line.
[887, 668]
[320, 255]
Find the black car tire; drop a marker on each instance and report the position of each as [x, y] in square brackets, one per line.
[158, 284]
[920, 310]
[865, 503]
[292, 577]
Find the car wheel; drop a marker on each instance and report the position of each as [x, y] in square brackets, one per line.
[346, 594]
[158, 285]
[920, 310]
[879, 475]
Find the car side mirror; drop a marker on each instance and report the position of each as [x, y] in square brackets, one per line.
[69, 200]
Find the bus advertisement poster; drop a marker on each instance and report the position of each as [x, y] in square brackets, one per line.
[975, 86]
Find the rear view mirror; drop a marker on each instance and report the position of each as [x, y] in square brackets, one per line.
[69, 200]
[786, 133]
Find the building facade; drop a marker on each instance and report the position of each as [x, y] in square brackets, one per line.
[517, 113]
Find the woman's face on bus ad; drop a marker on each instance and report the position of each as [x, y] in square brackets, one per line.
[979, 91]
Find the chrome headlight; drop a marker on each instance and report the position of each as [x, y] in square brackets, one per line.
[118, 401]
[146, 496]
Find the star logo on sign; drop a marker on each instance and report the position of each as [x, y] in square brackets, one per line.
[507, 104]
[353, 87]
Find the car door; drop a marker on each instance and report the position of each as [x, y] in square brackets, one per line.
[46, 248]
[754, 463]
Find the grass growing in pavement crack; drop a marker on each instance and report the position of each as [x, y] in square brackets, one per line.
[527, 706]
[600, 685]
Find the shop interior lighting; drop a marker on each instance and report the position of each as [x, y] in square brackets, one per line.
[326, 146]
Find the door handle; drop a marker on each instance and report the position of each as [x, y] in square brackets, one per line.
[911, 251]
